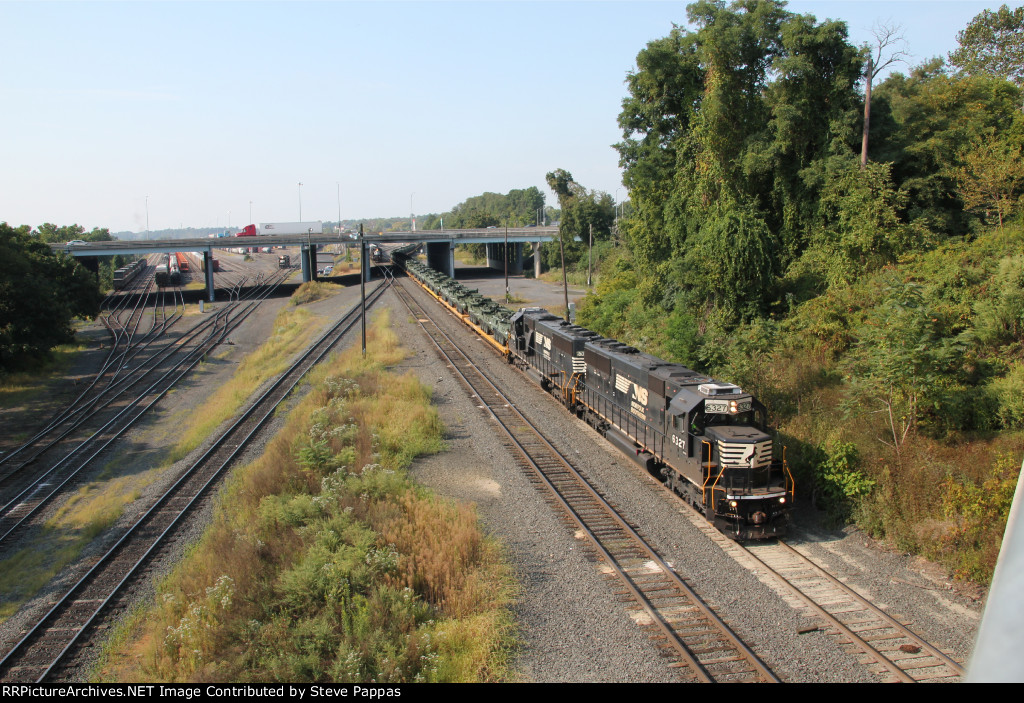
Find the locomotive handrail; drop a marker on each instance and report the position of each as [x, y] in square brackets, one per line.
[704, 486]
[790, 481]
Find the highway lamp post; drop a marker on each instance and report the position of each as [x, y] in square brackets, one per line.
[250, 212]
[508, 297]
[147, 217]
[300, 201]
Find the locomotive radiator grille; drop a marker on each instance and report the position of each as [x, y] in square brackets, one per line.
[746, 455]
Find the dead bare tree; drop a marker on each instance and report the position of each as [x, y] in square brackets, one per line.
[886, 50]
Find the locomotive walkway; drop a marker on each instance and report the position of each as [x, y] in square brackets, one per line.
[687, 631]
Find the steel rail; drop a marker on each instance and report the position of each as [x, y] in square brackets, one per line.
[65, 605]
[182, 367]
[504, 406]
[934, 662]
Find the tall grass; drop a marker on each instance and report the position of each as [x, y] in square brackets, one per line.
[99, 504]
[325, 562]
[293, 331]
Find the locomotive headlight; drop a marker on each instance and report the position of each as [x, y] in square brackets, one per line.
[782, 499]
[732, 504]
[732, 406]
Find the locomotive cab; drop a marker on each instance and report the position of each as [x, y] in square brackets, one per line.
[727, 458]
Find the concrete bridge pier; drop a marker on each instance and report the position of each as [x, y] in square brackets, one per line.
[441, 257]
[304, 262]
[208, 268]
[497, 256]
[536, 259]
[364, 261]
[307, 256]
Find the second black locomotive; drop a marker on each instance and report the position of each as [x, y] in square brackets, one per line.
[707, 439]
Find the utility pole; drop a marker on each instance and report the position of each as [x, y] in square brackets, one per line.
[565, 283]
[590, 254]
[362, 285]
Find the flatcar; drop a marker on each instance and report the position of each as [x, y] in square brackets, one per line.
[706, 439]
[126, 274]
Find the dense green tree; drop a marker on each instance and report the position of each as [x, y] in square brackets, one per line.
[745, 112]
[517, 208]
[925, 123]
[582, 212]
[859, 229]
[993, 45]
[991, 178]
[731, 263]
[40, 293]
[903, 363]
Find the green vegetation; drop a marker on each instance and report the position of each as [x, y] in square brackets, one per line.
[99, 504]
[325, 563]
[312, 291]
[294, 329]
[878, 311]
[41, 292]
[21, 387]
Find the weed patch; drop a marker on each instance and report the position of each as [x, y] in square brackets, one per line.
[325, 562]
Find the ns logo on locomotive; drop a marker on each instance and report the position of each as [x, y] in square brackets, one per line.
[706, 439]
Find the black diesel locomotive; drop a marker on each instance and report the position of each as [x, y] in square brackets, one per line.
[706, 438]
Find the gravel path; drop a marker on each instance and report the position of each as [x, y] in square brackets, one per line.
[911, 589]
[573, 627]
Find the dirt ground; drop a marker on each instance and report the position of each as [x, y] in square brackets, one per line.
[470, 470]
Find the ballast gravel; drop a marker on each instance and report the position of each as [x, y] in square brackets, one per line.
[573, 628]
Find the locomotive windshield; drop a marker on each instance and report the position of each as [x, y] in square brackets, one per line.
[751, 418]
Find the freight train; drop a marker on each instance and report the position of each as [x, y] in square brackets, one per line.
[706, 439]
[126, 274]
[167, 272]
[183, 265]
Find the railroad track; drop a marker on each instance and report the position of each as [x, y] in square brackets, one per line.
[35, 491]
[886, 646]
[685, 629]
[54, 640]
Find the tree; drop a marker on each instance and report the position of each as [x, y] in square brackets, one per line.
[993, 45]
[880, 56]
[902, 362]
[924, 122]
[991, 177]
[582, 212]
[860, 229]
[740, 112]
[40, 293]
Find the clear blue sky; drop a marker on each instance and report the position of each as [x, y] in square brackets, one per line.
[401, 106]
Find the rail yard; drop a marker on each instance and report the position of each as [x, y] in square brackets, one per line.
[621, 580]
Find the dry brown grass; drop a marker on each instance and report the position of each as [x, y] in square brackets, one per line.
[324, 537]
